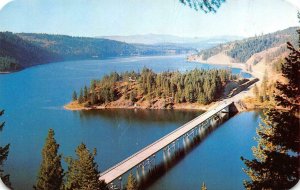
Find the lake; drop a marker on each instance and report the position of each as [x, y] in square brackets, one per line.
[33, 100]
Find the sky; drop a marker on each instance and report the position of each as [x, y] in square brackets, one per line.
[130, 17]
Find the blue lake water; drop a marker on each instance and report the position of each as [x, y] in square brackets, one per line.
[33, 101]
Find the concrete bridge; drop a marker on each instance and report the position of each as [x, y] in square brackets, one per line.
[147, 156]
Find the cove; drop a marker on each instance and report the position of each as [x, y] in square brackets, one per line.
[33, 100]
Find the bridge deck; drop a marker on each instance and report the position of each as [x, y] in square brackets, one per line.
[127, 164]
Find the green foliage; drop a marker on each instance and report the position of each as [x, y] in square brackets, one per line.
[4, 150]
[131, 183]
[207, 53]
[74, 96]
[81, 97]
[83, 171]
[74, 48]
[276, 162]
[202, 86]
[16, 53]
[8, 64]
[242, 50]
[203, 5]
[71, 48]
[50, 175]
[85, 93]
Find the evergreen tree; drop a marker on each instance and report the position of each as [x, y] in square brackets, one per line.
[83, 171]
[86, 93]
[276, 162]
[81, 98]
[131, 183]
[74, 96]
[50, 175]
[203, 5]
[3, 156]
[203, 187]
[93, 99]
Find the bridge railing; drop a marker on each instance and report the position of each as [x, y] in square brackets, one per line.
[157, 141]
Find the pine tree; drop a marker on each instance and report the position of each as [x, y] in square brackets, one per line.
[74, 96]
[93, 99]
[86, 93]
[276, 160]
[3, 156]
[83, 172]
[81, 98]
[131, 183]
[50, 175]
[203, 5]
[203, 187]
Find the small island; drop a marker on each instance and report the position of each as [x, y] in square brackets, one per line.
[194, 89]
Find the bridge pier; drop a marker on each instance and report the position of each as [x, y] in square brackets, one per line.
[120, 183]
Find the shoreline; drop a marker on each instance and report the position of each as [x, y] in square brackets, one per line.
[241, 66]
[71, 106]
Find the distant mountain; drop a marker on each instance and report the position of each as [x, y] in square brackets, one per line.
[157, 39]
[270, 46]
[18, 51]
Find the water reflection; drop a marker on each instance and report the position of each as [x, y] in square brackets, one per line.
[142, 116]
[172, 158]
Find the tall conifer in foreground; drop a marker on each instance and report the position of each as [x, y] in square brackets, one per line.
[83, 172]
[3, 156]
[276, 163]
[50, 176]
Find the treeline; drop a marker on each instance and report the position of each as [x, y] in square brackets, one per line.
[82, 171]
[207, 53]
[71, 48]
[16, 53]
[28, 49]
[202, 86]
[242, 50]
[8, 64]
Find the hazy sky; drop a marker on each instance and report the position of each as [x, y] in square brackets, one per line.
[127, 17]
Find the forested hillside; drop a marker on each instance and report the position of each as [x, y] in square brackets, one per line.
[18, 51]
[242, 50]
[79, 47]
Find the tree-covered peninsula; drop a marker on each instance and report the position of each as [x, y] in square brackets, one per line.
[147, 89]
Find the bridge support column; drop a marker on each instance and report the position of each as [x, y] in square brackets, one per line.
[154, 160]
[137, 174]
[120, 182]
